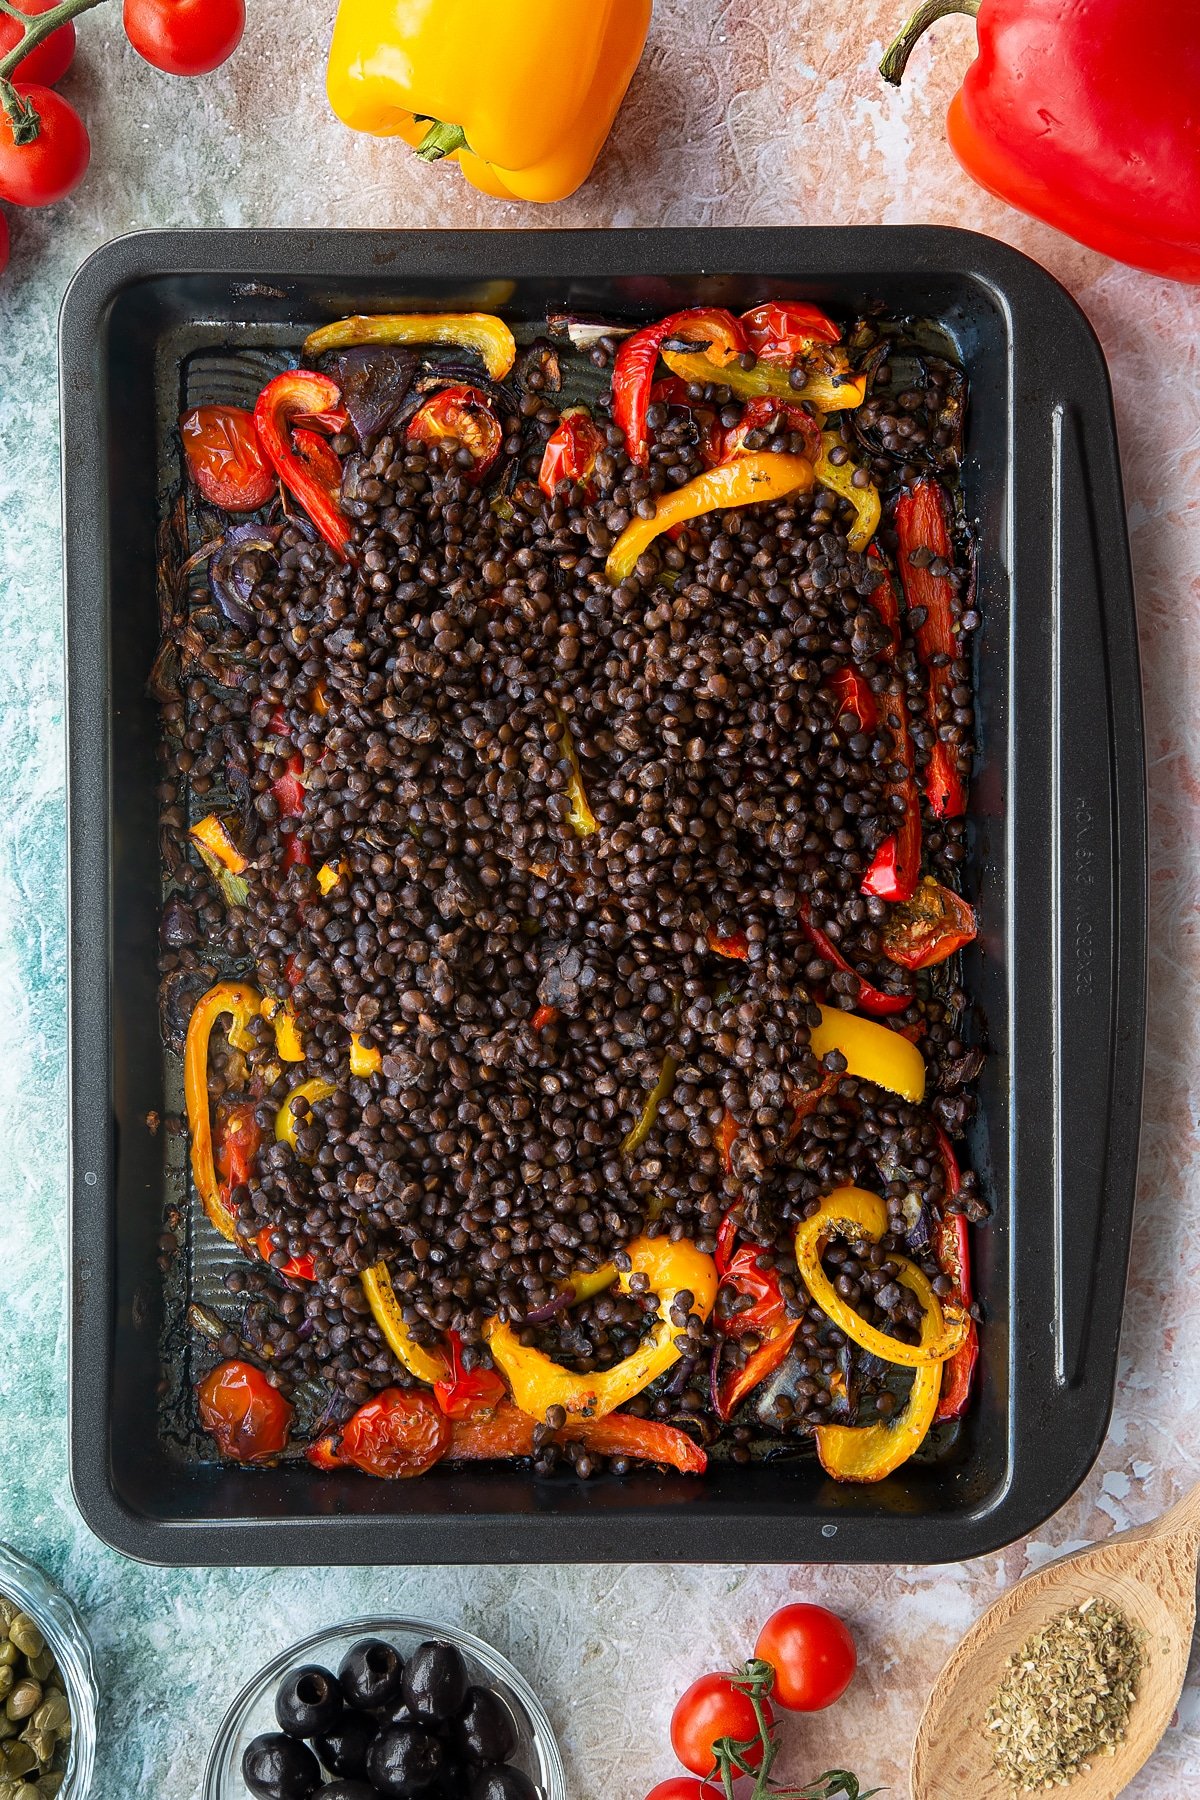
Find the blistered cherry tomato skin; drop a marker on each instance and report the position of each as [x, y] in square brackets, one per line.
[812, 1654]
[54, 163]
[783, 330]
[465, 415]
[225, 458]
[248, 1417]
[399, 1433]
[51, 59]
[185, 37]
[711, 1709]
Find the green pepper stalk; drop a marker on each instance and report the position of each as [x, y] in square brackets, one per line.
[37, 27]
[756, 1679]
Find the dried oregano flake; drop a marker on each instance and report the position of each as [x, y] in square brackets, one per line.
[1065, 1696]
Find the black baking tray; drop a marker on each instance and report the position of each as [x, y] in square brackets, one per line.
[1057, 868]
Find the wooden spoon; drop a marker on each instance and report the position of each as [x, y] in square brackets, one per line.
[1149, 1574]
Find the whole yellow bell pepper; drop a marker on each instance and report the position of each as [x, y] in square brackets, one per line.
[520, 93]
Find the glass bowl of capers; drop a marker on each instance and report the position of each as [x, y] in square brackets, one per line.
[48, 1691]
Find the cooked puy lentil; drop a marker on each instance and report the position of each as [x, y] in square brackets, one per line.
[571, 1039]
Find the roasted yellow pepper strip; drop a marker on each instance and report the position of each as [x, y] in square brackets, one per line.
[872, 1052]
[520, 93]
[426, 1365]
[581, 818]
[329, 874]
[870, 1452]
[827, 390]
[211, 833]
[287, 1125]
[839, 479]
[365, 1059]
[661, 1090]
[765, 475]
[853, 1212]
[474, 331]
[289, 1045]
[538, 1382]
[240, 1003]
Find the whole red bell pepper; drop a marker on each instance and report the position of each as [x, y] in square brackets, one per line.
[868, 998]
[896, 866]
[1084, 116]
[637, 359]
[954, 1254]
[302, 394]
[922, 526]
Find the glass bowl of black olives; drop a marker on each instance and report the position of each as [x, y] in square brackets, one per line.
[386, 1709]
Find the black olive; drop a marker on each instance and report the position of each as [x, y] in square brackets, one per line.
[275, 1767]
[502, 1784]
[404, 1760]
[343, 1748]
[483, 1731]
[371, 1674]
[309, 1701]
[435, 1682]
[454, 1783]
[346, 1790]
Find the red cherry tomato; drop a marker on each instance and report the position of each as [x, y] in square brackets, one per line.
[397, 1434]
[812, 1654]
[52, 58]
[571, 449]
[682, 1787]
[225, 458]
[54, 163]
[246, 1415]
[465, 414]
[185, 37]
[928, 928]
[712, 1709]
[783, 330]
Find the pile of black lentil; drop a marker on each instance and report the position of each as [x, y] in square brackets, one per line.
[474, 643]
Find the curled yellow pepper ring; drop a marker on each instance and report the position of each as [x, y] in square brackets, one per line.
[289, 1045]
[853, 1212]
[581, 818]
[240, 1003]
[872, 1052]
[520, 93]
[839, 479]
[661, 1091]
[474, 331]
[538, 1382]
[365, 1059]
[871, 1452]
[427, 1365]
[826, 390]
[766, 475]
[287, 1124]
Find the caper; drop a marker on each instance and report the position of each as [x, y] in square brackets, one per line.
[41, 1743]
[17, 1758]
[6, 1682]
[25, 1699]
[53, 1714]
[9, 1654]
[42, 1666]
[8, 1727]
[49, 1783]
[12, 1790]
[25, 1635]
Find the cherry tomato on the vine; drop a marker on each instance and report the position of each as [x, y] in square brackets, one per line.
[51, 59]
[684, 1787]
[225, 458]
[55, 162]
[812, 1654]
[711, 1709]
[185, 37]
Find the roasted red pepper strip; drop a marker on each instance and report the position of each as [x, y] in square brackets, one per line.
[762, 1288]
[728, 1229]
[928, 928]
[296, 1268]
[853, 695]
[672, 390]
[896, 865]
[725, 1138]
[735, 945]
[288, 788]
[765, 413]
[922, 525]
[321, 463]
[509, 1432]
[295, 394]
[728, 1393]
[954, 1254]
[571, 449]
[467, 1393]
[545, 1015]
[637, 359]
[870, 999]
[239, 1136]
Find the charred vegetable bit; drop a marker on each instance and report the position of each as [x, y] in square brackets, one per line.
[563, 846]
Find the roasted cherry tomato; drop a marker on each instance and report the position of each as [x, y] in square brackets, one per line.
[185, 37]
[464, 414]
[812, 1654]
[55, 162]
[928, 928]
[239, 1135]
[571, 449]
[52, 58]
[225, 459]
[783, 330]
[712, 1709]
[399, 1433]
[248, 1417]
